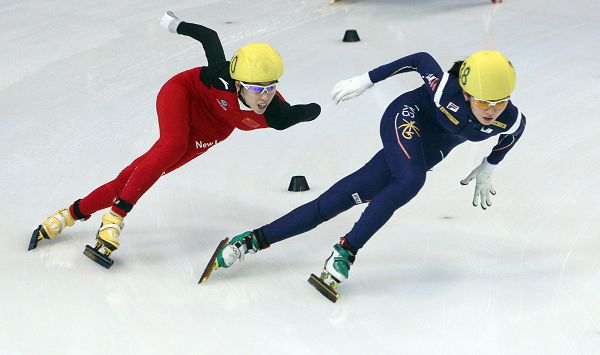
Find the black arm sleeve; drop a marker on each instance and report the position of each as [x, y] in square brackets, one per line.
[281, 115]
[209, 39]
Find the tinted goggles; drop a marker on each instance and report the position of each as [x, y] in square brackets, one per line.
[259, 89]
[486, 105]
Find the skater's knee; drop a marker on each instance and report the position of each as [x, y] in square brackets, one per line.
[403, 189]
[413, 181]
[172, 148]
[417, 181]
[332, 203]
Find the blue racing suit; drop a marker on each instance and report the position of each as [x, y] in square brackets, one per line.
[418, 129]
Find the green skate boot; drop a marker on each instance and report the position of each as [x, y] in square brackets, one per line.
[335, 271]
[228, 251]
[237, 248]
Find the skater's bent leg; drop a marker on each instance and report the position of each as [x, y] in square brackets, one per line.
[355, 188]
[104, 196]
[166, 153]
[382, 207]
[307, 216]
[172, 107]
[402, 136]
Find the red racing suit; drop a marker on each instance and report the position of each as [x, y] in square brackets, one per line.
[197, 109]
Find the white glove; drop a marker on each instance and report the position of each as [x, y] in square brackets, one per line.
[349, 88]
[170, 21]
[483, 184]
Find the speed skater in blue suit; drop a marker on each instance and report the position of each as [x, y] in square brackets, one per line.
[470, 102]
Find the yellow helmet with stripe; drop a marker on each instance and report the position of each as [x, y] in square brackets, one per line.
[487, 75]
[256, 63]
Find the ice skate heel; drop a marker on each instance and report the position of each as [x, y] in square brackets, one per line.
[100, 258]
[326, 285]
[212, 263]
[107, 238]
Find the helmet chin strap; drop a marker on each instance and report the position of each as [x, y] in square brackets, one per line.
[239, 94]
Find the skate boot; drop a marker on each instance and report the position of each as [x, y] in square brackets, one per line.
[237, 248]
[107, 238]
[228, 251]
[51, 227]
[335, 271]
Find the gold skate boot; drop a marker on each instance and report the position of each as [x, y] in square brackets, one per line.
[51, 227]
[107, 238]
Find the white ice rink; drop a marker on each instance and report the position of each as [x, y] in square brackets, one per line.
[78, 83]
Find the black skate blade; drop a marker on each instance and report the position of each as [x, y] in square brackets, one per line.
[34, 238]
[323, 288]
[99, 258]
[212, 262]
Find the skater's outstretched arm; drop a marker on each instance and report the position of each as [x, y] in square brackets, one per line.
[208, 37]
[483, 173]
[508, 139]
[281, 115]
[421, 62]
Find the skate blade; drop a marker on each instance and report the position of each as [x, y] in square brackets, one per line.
[35, 238]
[98, 257]
[326, 290]
[212, 263]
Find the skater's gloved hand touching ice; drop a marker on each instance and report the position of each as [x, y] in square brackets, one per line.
[170, 21]
[349, 88]
[483, 184]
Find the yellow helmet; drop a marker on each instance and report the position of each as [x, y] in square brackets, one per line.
[487, 75]
[256, 63]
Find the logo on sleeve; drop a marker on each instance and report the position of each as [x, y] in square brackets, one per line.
[433, 81]
[223, 104]
[250, 122]
[452, 107]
